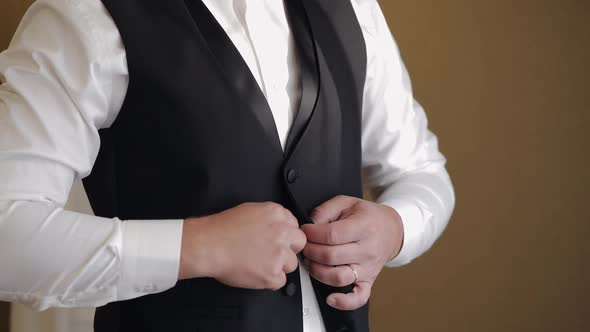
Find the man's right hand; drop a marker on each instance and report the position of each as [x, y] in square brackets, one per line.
[252, 245]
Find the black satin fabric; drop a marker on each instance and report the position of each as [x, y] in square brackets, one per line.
[241, 78]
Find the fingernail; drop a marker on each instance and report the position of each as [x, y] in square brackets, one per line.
[331, 302]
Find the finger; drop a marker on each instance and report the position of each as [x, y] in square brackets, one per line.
[357, 298]
[333, 255]
[290, 218]
[277, 282]
[280, 214]
[291, 262]
[332, 209]
[337, 276]
[339, 232]
[298, 240]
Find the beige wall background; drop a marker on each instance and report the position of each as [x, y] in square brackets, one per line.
[505, 84]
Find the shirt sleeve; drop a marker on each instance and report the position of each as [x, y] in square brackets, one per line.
[63, 77]
[402, 165]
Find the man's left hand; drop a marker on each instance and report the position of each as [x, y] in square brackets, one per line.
[350, 234]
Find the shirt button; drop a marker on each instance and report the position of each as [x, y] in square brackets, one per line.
[292, 176]
[305, 311]
[290, 289]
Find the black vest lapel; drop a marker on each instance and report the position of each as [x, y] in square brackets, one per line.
[244, 82]
[310, 78]
[235, 68]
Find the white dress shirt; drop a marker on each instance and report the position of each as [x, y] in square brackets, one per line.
[65, 76]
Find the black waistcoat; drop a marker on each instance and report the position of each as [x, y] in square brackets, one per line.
[196, 136]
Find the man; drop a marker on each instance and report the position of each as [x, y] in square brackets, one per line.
[230, 137]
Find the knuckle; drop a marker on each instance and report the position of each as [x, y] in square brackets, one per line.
[302, 234]
[269, 283]
[278, 281]
[365, 298]
[277, 267]
[363, 302]
[274, 208]
[282, 214]
[289, 218]
[328, 256]
[318, 211]
[287, 213]
[331, 235]
[292, 266]
[302, 239]
[298, 248]
[346, 199]
[340, 279]
[272, 280]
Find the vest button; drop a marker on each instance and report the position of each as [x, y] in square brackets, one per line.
[290, 289]
[292, 176]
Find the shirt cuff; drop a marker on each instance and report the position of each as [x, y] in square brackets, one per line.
[413, 221]
[150, 257]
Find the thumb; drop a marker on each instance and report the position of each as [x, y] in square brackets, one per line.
[332, 209]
